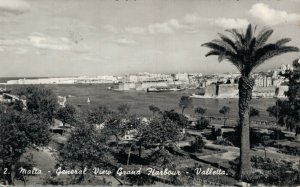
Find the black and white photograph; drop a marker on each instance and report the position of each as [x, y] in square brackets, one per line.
[150, 93]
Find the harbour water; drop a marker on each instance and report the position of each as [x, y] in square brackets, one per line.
[139, 101]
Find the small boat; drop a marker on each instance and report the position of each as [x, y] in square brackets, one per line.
[88, 100]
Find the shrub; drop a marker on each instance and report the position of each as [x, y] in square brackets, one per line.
[277, 135]
[202, 123]
[197, 145]
[223, 141]
[273, 172]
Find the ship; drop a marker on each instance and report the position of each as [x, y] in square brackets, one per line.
[163, 89]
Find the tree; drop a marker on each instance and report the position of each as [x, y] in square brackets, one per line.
[247, 51]
[161, 132]
[225, 111]
[178, 119]
[67, 114]
[202, 123]
[124, 109]
[200, 110]
[252, 113]
[294, 81]
[84, 149]
[198, 144]
[40, 101]
[117, 125]
[287, 112]
[99, 114]
[185, 102]
[162, 129]
[19, 131]
[283, 113]
[153, 109]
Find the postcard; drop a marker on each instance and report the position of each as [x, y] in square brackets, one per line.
[150, 92]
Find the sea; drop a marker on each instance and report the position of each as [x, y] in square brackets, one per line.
[139, 101]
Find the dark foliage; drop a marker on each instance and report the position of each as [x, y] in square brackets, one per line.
[287, 112]
[20, 130]
[202, 123]
[68, 114]
[273, 172]
[185, 102]
[197, 145]
[40, 101]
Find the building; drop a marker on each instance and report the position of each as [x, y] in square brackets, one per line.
[263, 81]
[182, 77]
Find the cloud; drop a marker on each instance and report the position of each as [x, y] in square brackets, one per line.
[14, 6]
[110, 28]
[41, 41]
[135, 30]
[17, 46]
[160, 28]
[193, 20]
[20, 51]
[270, 16]
[95, 58]
[174, 23]
[229, 23]
[125, 41]
[189, 24]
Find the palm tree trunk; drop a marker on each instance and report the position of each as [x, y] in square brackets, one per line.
[246, 84]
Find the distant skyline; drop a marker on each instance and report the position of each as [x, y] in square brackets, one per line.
[47, 38]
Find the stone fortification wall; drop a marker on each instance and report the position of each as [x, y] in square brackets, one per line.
[211, 91]
[228, 91]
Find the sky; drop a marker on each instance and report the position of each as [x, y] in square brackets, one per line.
[116, 37]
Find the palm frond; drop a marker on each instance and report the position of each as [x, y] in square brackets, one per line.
[212, 52]
[245, 51]
[248, 36]
[283, 41]
[225, 45]
[236, 62]
[274, 52]
[262, 37]
[214, 46]
[228, 41]
[238, 36]
[265, 49]
[221, 57]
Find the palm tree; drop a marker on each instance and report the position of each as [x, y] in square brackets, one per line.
[225, 111]
[247, 51]
[185, 102]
